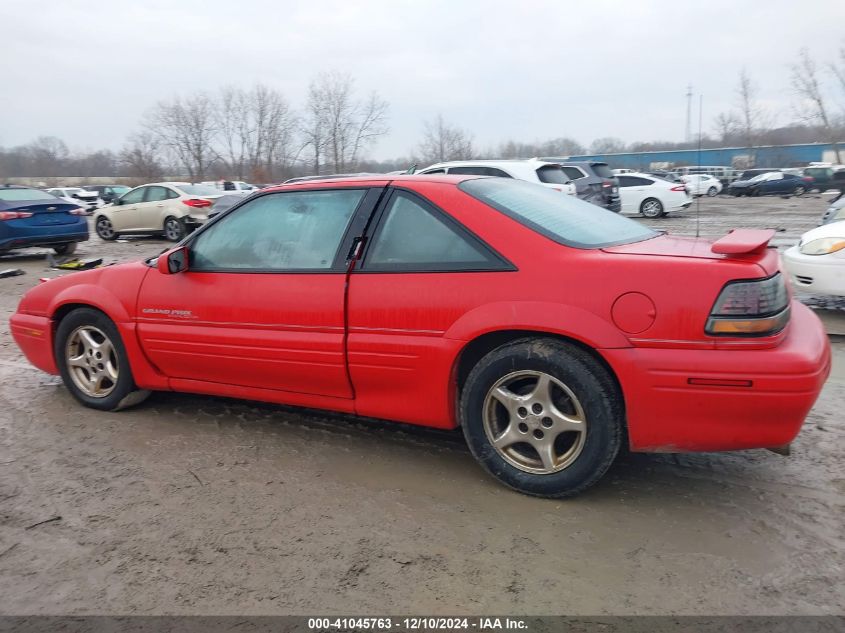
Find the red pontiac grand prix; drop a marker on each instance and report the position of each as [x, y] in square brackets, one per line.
[548, 329]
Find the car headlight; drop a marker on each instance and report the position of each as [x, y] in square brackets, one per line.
[823, 246]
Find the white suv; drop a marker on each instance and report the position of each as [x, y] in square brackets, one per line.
[537, 171]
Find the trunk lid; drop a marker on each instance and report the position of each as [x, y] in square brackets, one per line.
[48, 212]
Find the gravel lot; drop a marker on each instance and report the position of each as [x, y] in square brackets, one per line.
[190, 504]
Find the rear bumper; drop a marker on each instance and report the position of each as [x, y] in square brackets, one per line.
[34, 335]
[45, 236]
[824, 274]
[668, 414]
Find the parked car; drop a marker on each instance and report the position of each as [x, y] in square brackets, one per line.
[748, 174]
[547, 329]
[823, 177]
[231, 185]
[702, 185]
[671, 176]
[548, 174]
[224, 203]
[172, 209]
[817, 263]
[836, 210]
[88, 200]
[594, 182]
[32, 217]
[773, 182]
[108, 193]
[651, 196]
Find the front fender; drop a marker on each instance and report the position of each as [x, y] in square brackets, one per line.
[570, 321]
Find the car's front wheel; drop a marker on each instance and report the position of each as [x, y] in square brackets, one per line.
[174, 229]
[652, 208]
[542, 416]
[65, 249]
[104, 229]
[712, 192]
[93, 363]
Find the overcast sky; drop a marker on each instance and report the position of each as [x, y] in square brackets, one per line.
[87, 71]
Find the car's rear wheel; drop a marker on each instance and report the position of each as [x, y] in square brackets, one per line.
[93, 363]
[651, 208]
[542, 416]
[65, 249]
[800, 191]
[174, 230]
[712, 192]
[104, 229]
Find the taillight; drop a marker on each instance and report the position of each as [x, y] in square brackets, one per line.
[679, 188]
[197, 203]
[607, 184]
[14, 215]
[750, 308]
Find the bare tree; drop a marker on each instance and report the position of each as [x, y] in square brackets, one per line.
[607, 145]
[142, 157]
[805, 82]
[187, 127]
[726, 125]
[442, 141]
[337, 125]
[752, 120]
[47, 155]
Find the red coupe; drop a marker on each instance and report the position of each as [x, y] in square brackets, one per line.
[549, 329]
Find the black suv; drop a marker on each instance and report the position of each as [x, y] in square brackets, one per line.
[594, 182]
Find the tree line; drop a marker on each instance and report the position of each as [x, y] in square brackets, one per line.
[255, 134]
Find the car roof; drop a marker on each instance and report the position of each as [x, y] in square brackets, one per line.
[382, 179]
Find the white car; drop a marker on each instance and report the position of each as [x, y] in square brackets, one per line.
[172, 209]
[835, 212]
[532, 170]
[88, 200]
[817, 263]
[231, 186]
[702, 185]
[651, 196]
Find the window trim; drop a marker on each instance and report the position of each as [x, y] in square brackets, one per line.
[340, 263]
[498, 263]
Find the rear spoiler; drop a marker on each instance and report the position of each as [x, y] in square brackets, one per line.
[743, 242]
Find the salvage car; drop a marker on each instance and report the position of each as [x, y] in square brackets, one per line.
[594, 181]
[32, 217]
[171, 209]
[817, 263]
[548, 330]
[702, 185]
[88, 200]
[650, 196]
[532, 170]
[108, 193]
[771, 183]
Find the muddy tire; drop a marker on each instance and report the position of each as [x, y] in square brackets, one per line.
[92, 361]
[543, 417]
[65, 249]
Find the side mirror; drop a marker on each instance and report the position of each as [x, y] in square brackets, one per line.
[172, 262]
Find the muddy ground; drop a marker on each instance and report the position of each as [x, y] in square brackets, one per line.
[191, 504]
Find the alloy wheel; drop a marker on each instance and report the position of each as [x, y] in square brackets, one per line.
[105, 229]
[534, 422]
[173, 229]
[91, 361]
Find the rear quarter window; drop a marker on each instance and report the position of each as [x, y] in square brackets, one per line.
[602, 170]
[564, 219]
[552, 174]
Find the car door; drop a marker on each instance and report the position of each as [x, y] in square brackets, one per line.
[262, 304]
[420, 271]
[124, 215]
[774, 183]
[632, 191]
[151, 211]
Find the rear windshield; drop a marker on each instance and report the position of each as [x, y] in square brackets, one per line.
[199, 190]
[815, 172]
[564, 219]
[552, 174]
[602, 170]
[15, 195]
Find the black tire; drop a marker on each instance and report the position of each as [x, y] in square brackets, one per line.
[104, 228]
[124, 392]
[652, 208]
[587, 379]
[755, 193]
[174, 228]
[712, 192]
[65, 249]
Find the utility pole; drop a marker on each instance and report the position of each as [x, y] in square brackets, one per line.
[688, 135]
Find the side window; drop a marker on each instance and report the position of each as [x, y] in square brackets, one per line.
[573, 172]
[414, 236]
[135, 196]
[640, 182]
[433, 171]
[479, 170]
[299, 230]
[156, 194]
[626, 181]
[171, 195]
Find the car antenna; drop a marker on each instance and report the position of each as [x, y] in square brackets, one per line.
[698, 200]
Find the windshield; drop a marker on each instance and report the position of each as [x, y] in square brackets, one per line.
[564, 219]
[15, 195]
[199, 190]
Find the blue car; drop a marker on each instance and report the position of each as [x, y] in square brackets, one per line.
[771, 183]
[31, 217]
